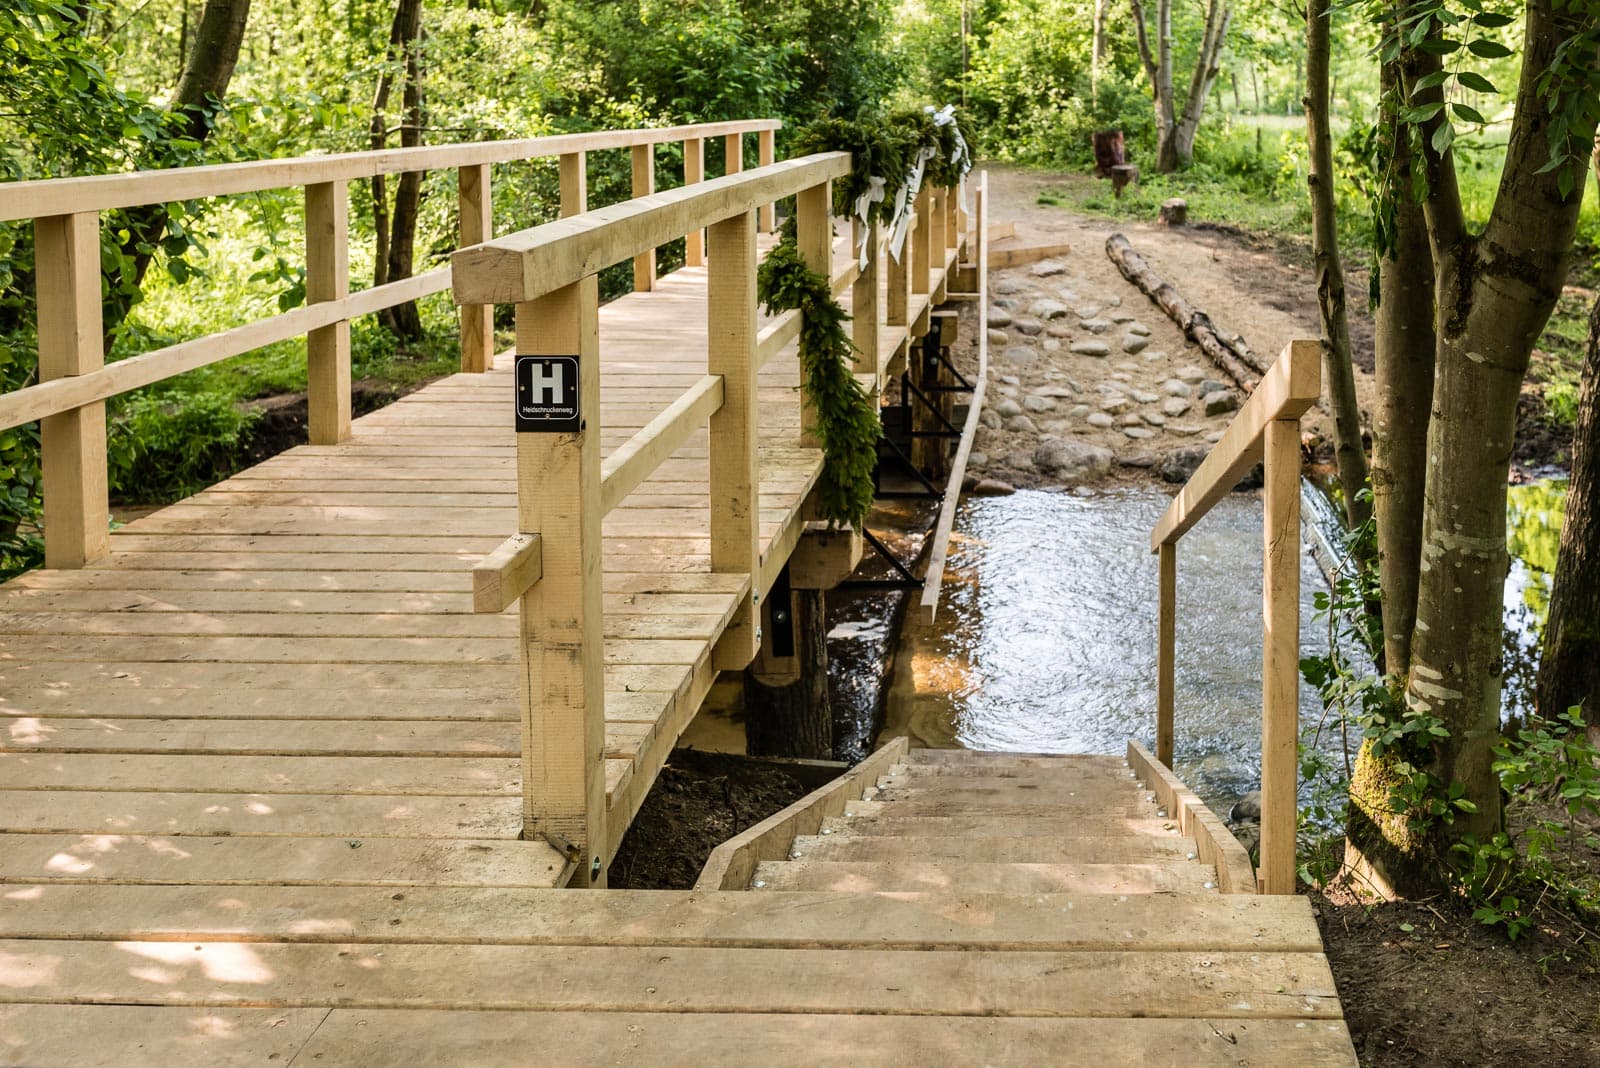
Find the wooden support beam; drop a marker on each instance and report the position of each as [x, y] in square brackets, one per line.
[477, 224]
[503, 576]
[328, 347]
[734, 478]
[1166, 651]
[825, 556]
[921, 242]
[1280, 664]
[767, 152]
[814, 241]
[77, 518]
[562, 680]
[694, 172]
[865, 305]
[644, 183]
[1020, 257]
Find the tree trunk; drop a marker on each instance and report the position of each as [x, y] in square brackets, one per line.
[1569, 672]
[1494, 295]
[787, 712]
[201, 88]
[1097, 55]
[396, 232]
[1175, 131]
[1350, 455]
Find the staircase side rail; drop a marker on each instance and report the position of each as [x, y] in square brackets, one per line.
[1266, 429]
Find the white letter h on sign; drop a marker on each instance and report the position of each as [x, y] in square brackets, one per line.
[548, 379]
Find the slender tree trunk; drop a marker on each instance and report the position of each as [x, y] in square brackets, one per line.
[1349, 453]
[395, 230]
[1097, 56]
[1175, 130]
[1569, 672]
[204, 83]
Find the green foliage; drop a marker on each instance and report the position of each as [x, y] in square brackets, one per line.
[163, 446]
[846, 421]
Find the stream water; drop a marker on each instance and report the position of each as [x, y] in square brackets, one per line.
[1045, 641]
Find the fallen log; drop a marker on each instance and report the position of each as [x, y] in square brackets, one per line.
[1227, 351]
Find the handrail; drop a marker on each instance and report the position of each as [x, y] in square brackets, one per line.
[105, 192]
[526, 265]
[1266, 429]
[75, 381]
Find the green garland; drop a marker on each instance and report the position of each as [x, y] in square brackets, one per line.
[847, 423]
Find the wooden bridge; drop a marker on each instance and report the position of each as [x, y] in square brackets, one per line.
[285, 780]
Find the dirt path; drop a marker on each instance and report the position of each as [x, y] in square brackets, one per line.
[1090, 381]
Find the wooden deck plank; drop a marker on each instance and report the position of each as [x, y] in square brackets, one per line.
[116, 1036]
[1089, 983]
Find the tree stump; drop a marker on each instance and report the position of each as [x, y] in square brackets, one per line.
[1174, 212]
[1122, 176]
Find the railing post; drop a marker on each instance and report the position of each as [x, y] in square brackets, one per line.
[767, 152]
[328, 278]
[574, 184]
[865, 307]
[938, 217]
[952, 214]
[735, 479]
[694, 171]
[1280, 668]
[814, 240]
[921, 243]
[477, 225]
[732, 153]
[900, 279]
[77, 517]
[644, 183]
[1166, 651]
[563, 682]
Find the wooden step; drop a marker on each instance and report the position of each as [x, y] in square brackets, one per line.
[1176, 875]
[1030, 806]
[114, 1036]
[981, 793]
[985, 758]
[647, 979]
[890, 820]
[1065, 769]
[1052, 849]
[666, 918]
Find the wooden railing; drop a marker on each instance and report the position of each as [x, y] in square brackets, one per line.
[75, 382]
[564, 488]
[1267, 429]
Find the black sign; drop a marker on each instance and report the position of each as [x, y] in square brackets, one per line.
[547, 395]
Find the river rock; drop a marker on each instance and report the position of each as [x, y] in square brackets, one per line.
[1059, 330]
[1122, 376]
[977, 459]
[1101, 420]
[1047, 309]
[1144, 396]
[1137, 459]
[1179, 464]
[1091, 348]
[1007, 286]
[1219, 402]
[1138, 329]
[1215, 436]
[1072, 461]
[993, 487]
[1079, 411]
[1056, 391]
[990, 418]
[1133, 344]
[1187, 430]
[1021, 424]
[1175, 406]
[1035, 403]
[1011, 380]
[1096, 326]
[1154, 418]
[1114, 404]
[1048, 269]
[1189, 374]
[1129, 419]
[1139, 433]
[1113, 302]
[1008, 407]
[1088, 311]
[1050, 344]
[997, 337]
[999, 317]
[1029, 327]
[1020, 354]
[1007, 303]
[1211, 385]
[1119, 317]
[1020, 459]
[1247, 809]
[1154, 355]
[1174, 388]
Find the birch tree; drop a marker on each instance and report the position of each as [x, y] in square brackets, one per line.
[1175, 128]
